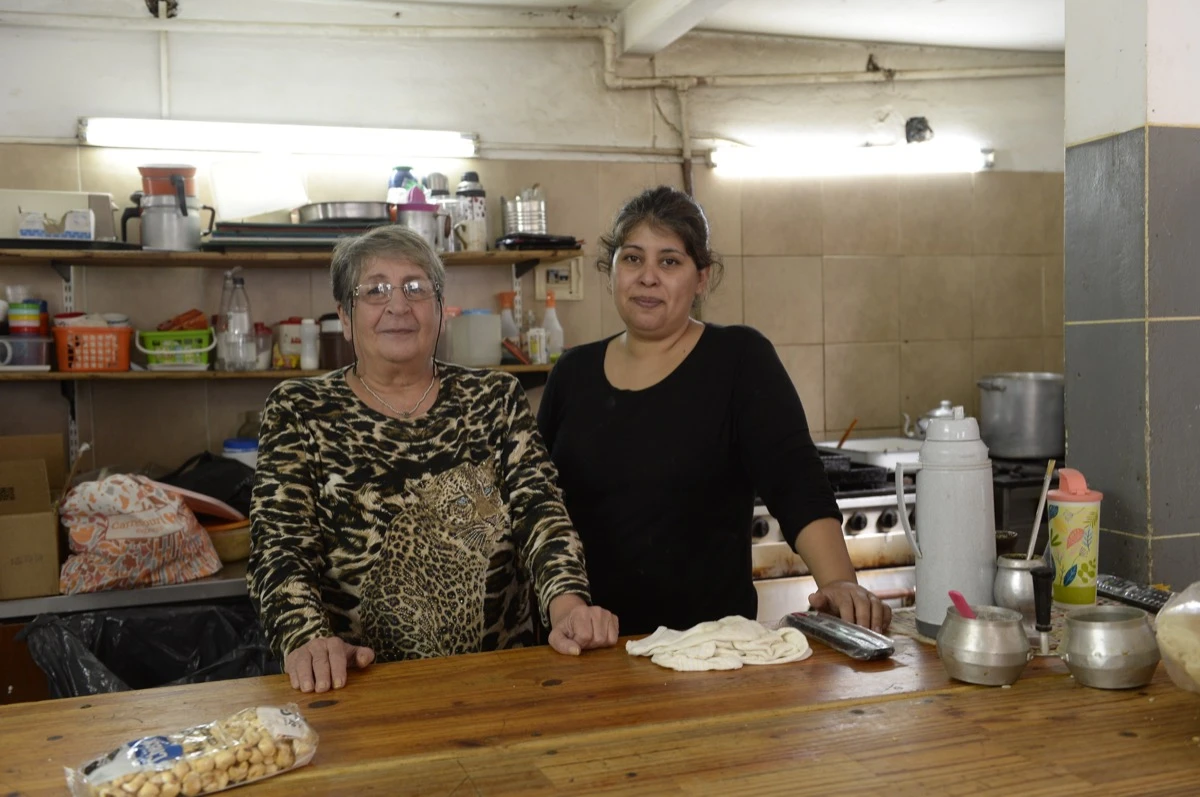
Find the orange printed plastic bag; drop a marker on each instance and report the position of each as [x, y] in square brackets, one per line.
[127, 531]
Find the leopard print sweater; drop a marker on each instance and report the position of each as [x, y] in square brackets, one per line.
[418, 537]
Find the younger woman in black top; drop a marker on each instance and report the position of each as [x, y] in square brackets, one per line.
[663, 435]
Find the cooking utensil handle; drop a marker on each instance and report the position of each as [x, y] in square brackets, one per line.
[180, 196]
[212, 218]
[903, 508]
[990, 385]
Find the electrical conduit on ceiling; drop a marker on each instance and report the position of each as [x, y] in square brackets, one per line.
[608, 38]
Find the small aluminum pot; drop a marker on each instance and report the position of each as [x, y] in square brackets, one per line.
[1110, 647]
[1021, 415]
[991, 649]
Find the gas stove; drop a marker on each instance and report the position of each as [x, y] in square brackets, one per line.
[1016, 490]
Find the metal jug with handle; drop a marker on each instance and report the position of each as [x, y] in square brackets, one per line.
[955, 536]
[943, 410]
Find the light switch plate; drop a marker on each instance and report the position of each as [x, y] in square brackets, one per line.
[565, 278]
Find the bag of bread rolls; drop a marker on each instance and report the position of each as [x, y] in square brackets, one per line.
[252, 744]
[1178, 630]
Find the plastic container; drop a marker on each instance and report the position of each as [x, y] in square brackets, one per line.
[508, 324]
[184, 350]
[475, 339]
[1074, 513]
[443, 345]
[310, 335]
[288, 333]
[24, 318]
[241, 349]
[262, 346]
[335, 350]
[243, 449]
[554, 330]
[92, 348]
[25, 350]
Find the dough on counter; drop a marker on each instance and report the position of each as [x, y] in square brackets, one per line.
[1179, 642]
[725, 644]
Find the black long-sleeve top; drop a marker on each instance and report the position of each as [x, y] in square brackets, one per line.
[660, 482]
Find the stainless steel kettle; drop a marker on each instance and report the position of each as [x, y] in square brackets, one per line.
[943, 410]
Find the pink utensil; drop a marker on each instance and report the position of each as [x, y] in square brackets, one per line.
[961, 604]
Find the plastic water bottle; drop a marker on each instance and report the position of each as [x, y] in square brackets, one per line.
[222, 319]
[310, 356]
[554, 330]
[241, 347]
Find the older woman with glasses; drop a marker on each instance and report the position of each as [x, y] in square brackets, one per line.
[404, 507]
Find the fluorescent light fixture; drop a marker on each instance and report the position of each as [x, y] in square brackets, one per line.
[292, 139]
[801, 159]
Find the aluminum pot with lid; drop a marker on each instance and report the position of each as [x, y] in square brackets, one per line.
[1021, 415]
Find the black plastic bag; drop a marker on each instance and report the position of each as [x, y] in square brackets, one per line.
[121, 649]
[222, 478]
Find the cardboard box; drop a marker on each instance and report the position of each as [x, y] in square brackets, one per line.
[32, 472]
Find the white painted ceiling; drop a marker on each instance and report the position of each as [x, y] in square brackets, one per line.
[997, 24]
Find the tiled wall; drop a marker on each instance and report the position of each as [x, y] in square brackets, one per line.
[881, 295]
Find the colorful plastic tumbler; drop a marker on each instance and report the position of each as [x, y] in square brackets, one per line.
[1074, 512]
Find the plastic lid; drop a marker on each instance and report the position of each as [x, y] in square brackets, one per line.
[331, 324]
[239, 282]
[291, 320]
[470, 177]
[308, 322]
[507, 298]
[1073, 488]
[241, 444]
[550, 302]
[259, 326]
[452, 311]
[477, 311]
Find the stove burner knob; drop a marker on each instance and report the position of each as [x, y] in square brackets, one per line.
[760, 528]
[856, 523]
[888, 519]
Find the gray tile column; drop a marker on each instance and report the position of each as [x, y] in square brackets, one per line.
[1132, 280]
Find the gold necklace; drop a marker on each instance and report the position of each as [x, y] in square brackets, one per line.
[395, 411]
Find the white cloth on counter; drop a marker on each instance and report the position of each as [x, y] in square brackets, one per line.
[724, 644]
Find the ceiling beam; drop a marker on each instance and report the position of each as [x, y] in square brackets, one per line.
[648, 26]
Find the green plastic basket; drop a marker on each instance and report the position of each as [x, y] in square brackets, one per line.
[185, 348]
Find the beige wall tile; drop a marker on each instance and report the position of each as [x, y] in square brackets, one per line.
[33, 408]
[148, 424]
[724, 305]
[572, 190]
[150, 295]
[861, 299]
[806, 366]
[1007, 299]
[617, 183]
[35, 167]
[935, 297]
[1000, 356]
[781, 217]
[610, 321]
[935, 214]
[228, 401]
[782, 298]
[1055, 198]
[476, 287]
[671, 174]
[1017, 213]
[1053, 359]
[721, 198]
[1052, 272]
[860, 216]
[932, 371]
[862, 380]
[857, 433]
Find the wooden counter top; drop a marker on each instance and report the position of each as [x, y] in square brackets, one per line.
[534, 722]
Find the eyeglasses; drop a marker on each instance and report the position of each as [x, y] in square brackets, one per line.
[415, 290]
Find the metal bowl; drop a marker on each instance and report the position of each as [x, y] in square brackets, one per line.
[1110, 647]
[991, 649]
[327, 212]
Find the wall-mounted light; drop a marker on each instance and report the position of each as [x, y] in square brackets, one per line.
[800, 159]
[254, 137]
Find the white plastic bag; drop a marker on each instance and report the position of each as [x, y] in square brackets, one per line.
[1178, 631]
[252, 744]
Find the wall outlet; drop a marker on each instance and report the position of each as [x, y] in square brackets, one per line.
[565, 278]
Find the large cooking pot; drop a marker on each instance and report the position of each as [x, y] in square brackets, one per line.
[1021, 415]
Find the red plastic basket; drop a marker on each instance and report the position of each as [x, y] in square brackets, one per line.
[92, 348]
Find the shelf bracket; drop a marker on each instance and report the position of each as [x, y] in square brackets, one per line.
[68, 390]
[63, 269]
[523, 267]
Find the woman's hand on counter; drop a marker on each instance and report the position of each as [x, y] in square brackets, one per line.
[854, 603]
[321, 663]
[575, 626]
